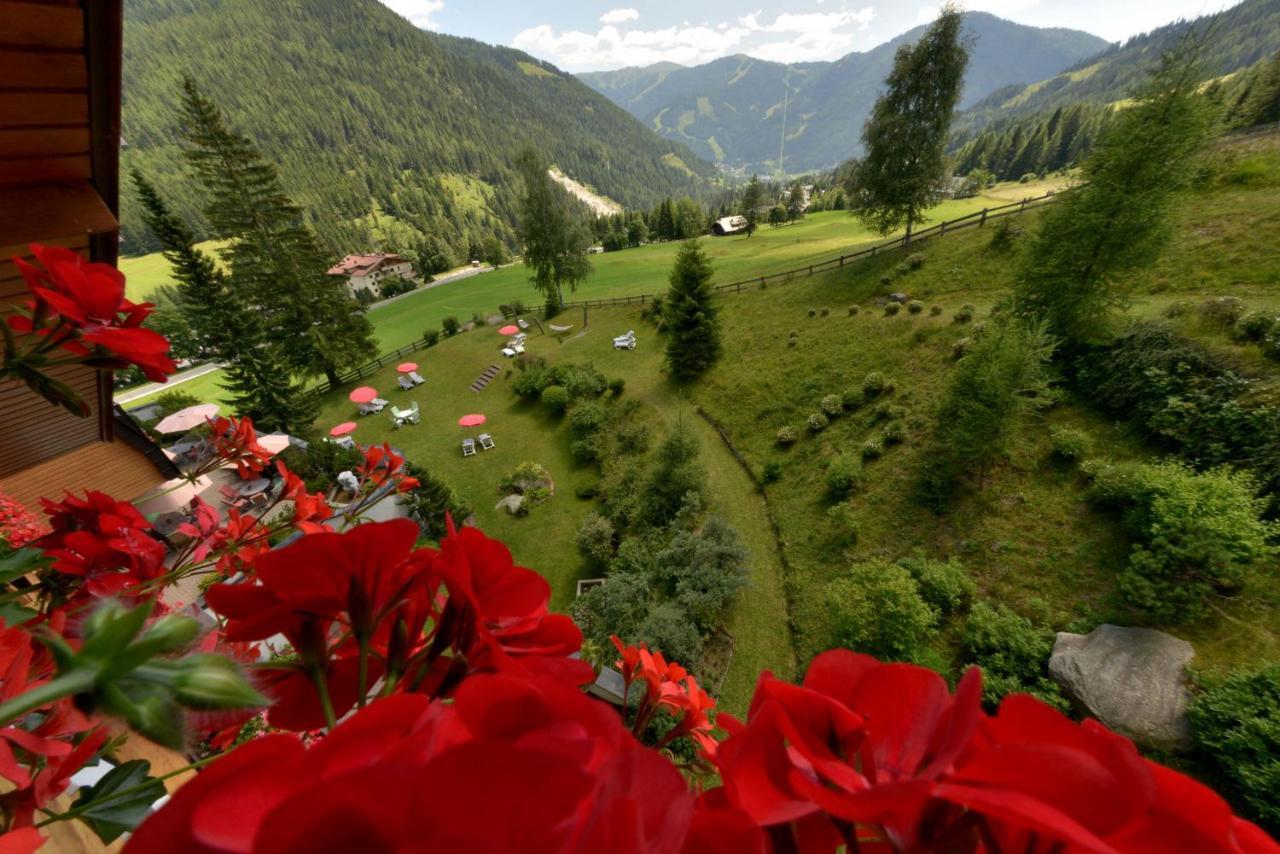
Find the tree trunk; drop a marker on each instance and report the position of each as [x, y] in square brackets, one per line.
[331, 374]
[907, 240]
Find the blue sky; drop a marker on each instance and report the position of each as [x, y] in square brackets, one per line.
[590, 35]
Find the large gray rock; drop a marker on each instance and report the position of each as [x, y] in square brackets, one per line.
[1132, 680]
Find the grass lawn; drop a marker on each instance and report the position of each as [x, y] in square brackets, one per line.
[145, 273]
[625, 273]
[544, 540]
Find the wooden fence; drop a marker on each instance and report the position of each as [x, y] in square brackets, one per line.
[973, 220]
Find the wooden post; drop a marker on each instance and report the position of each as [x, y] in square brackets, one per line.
[942, 228]
[983, 221]
[1023, 206]
[584, 314]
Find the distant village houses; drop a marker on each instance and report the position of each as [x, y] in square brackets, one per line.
[367, 272]
[728, 225]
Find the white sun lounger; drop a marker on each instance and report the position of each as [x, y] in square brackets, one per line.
[468, 447]
[416, 377]
[405, 383]
[486, 441]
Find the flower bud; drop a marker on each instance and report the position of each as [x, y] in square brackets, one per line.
[208, 681]
[170, 634]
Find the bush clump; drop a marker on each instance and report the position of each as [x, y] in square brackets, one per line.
[935, 311]
[886, 280]
[891, 308]
[1235, 725]
[1069, 444]
[853, 310]
[556, 398]
[825, 311]
[1224, 312]
[915, 260]
[960, 347]
[844, 474]
[616, 386]
[831, 405]
[1013, 654]
[895, 432]
[852, 398]
[1256, 326]
[813, 312]
[586, 419]
[431, 337]
[1196, 535]
[964, 315]
[786, 435]
[872, 449]
[875, 383]
[450, 325]
[771, 473]
[915, 307]
[877, 609]
[944, 584]
[595, 538]
[817, 422]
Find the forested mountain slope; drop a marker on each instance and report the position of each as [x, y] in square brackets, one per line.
[734, 110]
[368, 116]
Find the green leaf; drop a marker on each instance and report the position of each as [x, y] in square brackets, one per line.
[109, 815]
[14, 614]
[19, 563]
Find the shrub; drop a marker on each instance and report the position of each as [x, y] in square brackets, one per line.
[450, 325]
[1256, 326]
[1013, 654]
[817, 422]
[886, 280]
[872, 449]
[895, 433]
[915, 307]
[1004, 235]
[960, 347]
[703, 570]
[875, 383]
[674, 473]
[595, 538]
[586, 419]
[851, 398]
[1235, 724]
[885, 411]
[824, 311]
[791, 342]
[831, 405]
[669, 628]
[1004, 378]
[891, 308]
[793, 334]
[1027, 178]
[771, 473]
[877, 609]
[813, 312]
[174, 400]
[1178, 309]
[944, 584]
[320, 463]
[587, 491]
[844, 473]
[632, 439]
[915, 260]
[786, 435]
[841, 515]
[853, 310]
[431, 337]
[901, 269]
[964, 315]
[1069, 445]
[1222, 311]
[556, 398]
[616, 386]
[585, 450]
[935, 311]
[1197, 534]
[430, 501]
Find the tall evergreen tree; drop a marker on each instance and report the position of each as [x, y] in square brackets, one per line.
[905, 139]
[693, 323]
[274, 260]
[255, 369]
[1118, 219]
[555, 240]
[752, 197]
[795, 202]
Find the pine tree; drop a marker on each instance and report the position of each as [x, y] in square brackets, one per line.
[795, 202]
[274, 260]
[692, 320]
[1118, 219]
[905, 165]
[555, 240]
[752, 197]
[255, 370]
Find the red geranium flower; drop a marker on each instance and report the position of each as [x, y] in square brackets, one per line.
[102, 540]
[381, 464]
[309, 510]
[235, 441]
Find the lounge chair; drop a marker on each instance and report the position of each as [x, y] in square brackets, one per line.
[401, 417]
[559, 330]
[347, 442]
[508, 352]
[486, 441]
[523, 324]
[405, 383]
[468, 447]
[625, 342]
[416, 377]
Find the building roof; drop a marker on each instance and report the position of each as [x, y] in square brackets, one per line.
[363, 265]
[731, 223]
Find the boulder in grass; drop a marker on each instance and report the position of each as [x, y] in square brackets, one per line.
[1131, 679]
[898, 297]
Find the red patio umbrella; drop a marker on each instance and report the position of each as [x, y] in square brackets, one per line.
[473, 420]
[363, 394]
[343, 429]
[509, 330]
[406, 367]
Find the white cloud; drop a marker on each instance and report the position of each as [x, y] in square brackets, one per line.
[1002, 8]
[789, 37]
[418, 12]
[619, 16]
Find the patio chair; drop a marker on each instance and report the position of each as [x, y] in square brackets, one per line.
[369, 408]
[486, 441]
[508, 352]
[625, 342]
[380, 403]
[522, 323]
[405, 383]
[417, 378]
[347, 442]
[468, 447]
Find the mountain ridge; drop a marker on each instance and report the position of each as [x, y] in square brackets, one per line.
[694, 105]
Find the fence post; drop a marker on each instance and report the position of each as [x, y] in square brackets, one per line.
[942, 228]
[762, 281]
[1022, 207]
[810, 269]
[983, 221]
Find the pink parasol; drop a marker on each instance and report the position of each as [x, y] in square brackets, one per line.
[406, 367]
[474, 420]
[186, 419]
[509, 330]
[343, 429]
[363, 394]
[274, 443]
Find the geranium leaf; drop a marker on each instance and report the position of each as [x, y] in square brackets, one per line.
[120, 800]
